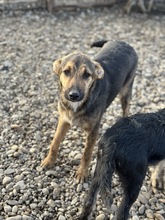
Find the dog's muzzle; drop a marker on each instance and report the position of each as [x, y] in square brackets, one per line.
[74, 95]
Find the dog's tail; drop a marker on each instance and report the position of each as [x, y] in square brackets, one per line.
[107, 168]
[99, 43]
[101, 180]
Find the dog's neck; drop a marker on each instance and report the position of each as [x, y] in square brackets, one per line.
[71, 111]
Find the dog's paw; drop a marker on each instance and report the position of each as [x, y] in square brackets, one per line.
[48, 162]
[158, 176]
[81, 175]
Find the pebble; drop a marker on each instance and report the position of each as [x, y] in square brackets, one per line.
[17, 217]
[142, 199]
[7, 208]
[74, 201]
[15, 209]
[25, 217]
[15, 147]
[51, 203]
[159, 217]
[141, 209]
[61, 217]
[37, 136]
[135, 217]
[113, 207]
[33, 205]
[51, 173]
[9, 171]
[6, 180]
[20, 185]
[79, 187]
[100, 217]
[12, 202]
[85, 185]
[45, 191]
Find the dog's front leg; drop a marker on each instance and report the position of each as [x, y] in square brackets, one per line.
[61, 130]
[82, 171]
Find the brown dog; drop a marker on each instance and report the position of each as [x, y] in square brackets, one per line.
[87, 88]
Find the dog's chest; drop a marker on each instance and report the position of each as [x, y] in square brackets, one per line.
[76, 119]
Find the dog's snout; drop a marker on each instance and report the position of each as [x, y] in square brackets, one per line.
[74, 95]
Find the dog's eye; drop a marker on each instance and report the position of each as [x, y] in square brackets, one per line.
[66, 72]
[86, 75]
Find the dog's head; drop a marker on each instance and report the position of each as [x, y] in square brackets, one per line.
[77, 73]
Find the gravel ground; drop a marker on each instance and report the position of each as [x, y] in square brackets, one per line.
[30, 42]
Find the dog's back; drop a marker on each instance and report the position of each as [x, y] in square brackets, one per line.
[136, 131]
[119, 61]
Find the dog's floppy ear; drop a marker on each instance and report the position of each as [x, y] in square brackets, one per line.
[57, 66]
[99, 70]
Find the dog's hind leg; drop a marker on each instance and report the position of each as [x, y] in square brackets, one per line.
[131, 184]
[125, 97]
[158, 176]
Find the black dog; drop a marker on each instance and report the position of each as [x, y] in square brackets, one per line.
[128, 147]
[87, 88]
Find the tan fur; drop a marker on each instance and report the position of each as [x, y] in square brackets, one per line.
[70, 115]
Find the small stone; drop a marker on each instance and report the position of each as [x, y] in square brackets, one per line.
[15, 209]
[74, 201]
[25, 217]
[142, 199]
[79, 188]
[61, 217]
[7, 208]
[45, 191]
[33, 205]
[15, 126]
[12, 202]
[10, 153]
[85, 185]
[37, 136]
[6, 180]
[113, 207]
[78, 156]
[54, 185]
[8, 63]
[32, 150]
[20, 185]
[51, 203]
[9, 171]
[14, 147]
[153, 200]
[159, 217]
[51, 173]
[17, 217]
[150, 214]
[135, 217]
[100, 217]
[141, 209]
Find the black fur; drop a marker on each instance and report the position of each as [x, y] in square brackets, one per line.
[99, 43]
[128, 147]
[119, 61]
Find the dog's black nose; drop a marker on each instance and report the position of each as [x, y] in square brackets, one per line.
[74, 96]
